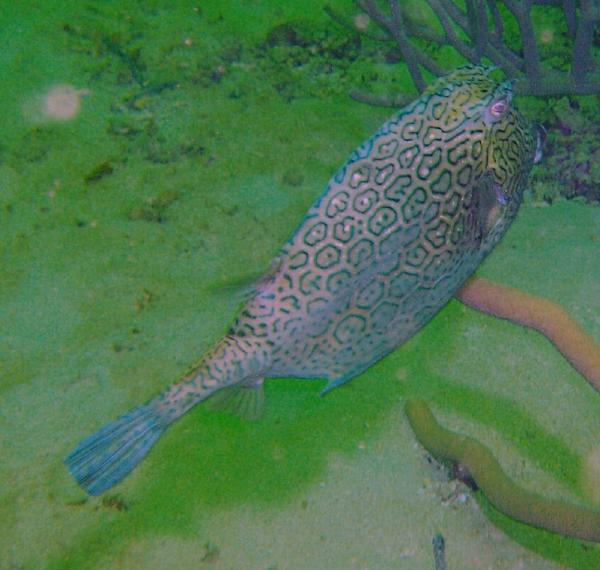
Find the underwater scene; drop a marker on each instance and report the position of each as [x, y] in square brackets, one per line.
[282, 212]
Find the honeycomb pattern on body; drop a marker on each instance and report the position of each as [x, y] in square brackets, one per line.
[398, 230]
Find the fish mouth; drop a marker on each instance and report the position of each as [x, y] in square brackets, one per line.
[540, 135]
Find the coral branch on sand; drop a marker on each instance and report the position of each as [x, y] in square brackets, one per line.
[578, 347]
[582, 351]
[501, 491]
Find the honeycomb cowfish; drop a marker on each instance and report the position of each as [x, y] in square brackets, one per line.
[399, 228]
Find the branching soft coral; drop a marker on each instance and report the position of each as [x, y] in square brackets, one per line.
[476, 29]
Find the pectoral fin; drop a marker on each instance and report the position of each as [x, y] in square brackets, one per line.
[491, 200]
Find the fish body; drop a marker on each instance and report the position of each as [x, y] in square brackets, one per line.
[398, 229]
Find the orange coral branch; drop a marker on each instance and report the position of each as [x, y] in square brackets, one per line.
[578, 347]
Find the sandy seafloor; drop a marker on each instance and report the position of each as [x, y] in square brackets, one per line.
[121, 258]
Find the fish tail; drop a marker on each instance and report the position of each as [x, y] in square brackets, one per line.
[107, 456]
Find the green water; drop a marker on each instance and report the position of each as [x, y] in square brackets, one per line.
[196, 151]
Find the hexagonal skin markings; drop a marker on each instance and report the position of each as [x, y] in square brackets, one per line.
[384, 173]
[383, 218]
[398, 240]
[298, 260]
[315, 234]
[403, 284]
[457, 156]
[458, 152]
[408, 155]
[294, 327]
[350, 327]
[318, 310]
[476, 150]
[337, 204]
[289, 304]
[309, 282]
[344, 230]
[365, 200]
[259, 310]
[416, 256]
[428, 163]
[385, 150]
[327, 256]
[433, 134]
[437, 235]
[442, 184]
[438, 109]
[432, 212]
[370, 295]
[338, 281]
[437, 267]
[414, 205]
[360, 255]
[452, 204]
[412, 129]
[383, 315]
[252, 328]
[399, 187]
[438, 197]
[392, 248]
[426, 305]
[359, 175]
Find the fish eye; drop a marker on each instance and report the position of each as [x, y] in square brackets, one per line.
[498, 108]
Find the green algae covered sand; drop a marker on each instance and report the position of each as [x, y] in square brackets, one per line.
[121, 235]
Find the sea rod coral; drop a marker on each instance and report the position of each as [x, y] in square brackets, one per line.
[478, 30]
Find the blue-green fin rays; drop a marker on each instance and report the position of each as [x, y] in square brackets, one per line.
[244, 400]
[336, 382]
[107, 456]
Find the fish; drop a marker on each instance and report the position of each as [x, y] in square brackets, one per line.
[397, 231]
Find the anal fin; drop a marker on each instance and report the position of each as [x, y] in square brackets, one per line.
[244, 400]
